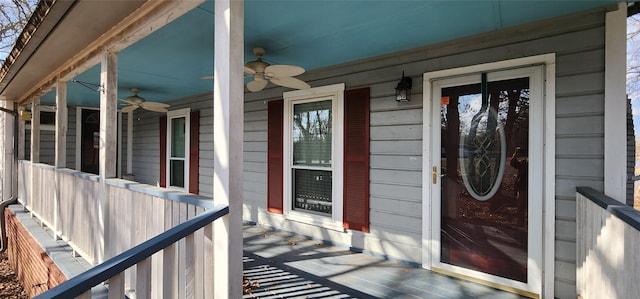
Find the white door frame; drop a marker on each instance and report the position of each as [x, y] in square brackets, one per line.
[543, 111]
[78, 138]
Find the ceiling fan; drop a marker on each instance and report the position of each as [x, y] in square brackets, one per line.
[280, 74]
[136, 101]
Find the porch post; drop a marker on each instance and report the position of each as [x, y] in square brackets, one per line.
[21, 134]
[108, 133]
[61, 125]
[130, 143]
[60, 148]
[35, 130]
[615, 99]
[119, 143]
[228, 103]
[7, 161]
[35, 145]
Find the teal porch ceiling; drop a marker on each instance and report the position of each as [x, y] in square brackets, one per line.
[313, 34]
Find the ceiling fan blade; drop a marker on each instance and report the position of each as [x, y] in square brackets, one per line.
[249, 70]
[154, 104]
[283, 70]
[129, 109]
[131, 101]
[257, 85]
[290, 82]
[155, 108]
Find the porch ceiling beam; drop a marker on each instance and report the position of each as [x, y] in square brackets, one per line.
[151, 16]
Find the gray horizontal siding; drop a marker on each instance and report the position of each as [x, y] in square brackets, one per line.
[47, 142]
[146, 142]
[396, 128]
[71, 138]
[47, 147]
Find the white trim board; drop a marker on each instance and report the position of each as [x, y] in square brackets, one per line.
[615, 104]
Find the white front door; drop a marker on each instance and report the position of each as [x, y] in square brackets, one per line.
[483, 176]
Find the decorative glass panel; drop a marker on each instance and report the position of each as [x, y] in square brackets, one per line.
[312, 134]
[482, 147]
[178, 131]
[177, 173]
[312, 190]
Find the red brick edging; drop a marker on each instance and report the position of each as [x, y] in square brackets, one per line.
[34, 268]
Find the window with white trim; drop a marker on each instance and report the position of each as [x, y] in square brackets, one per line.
[178, 137]
[313, 155]
[47, 119]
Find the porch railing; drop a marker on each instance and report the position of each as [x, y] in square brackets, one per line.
[133, 213]
[608, 247]
[140, 256]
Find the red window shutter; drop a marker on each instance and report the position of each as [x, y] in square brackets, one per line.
[194, 151]
[163, 151]
[356, 160]
[274, 156]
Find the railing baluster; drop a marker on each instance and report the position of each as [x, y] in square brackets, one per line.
[143, 279]
[181, 209]
[208, 260]
[156, 228]
[181, 255]
[85, 295]
[199, 256]
[116, 286]
[189, 267]
[168, 278]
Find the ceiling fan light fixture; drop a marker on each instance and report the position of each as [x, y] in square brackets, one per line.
[135, 99]
[280, 74]
[257, 65]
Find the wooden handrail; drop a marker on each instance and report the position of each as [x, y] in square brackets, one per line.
[84, 282]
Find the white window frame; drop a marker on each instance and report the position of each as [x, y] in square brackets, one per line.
[44, 127]
[335, 93]
[180, 113]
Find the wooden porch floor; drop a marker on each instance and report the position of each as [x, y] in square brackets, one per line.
[280, 265]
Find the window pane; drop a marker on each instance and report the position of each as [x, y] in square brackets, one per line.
[47, 118]
[312, 190]
[178, 130]
[177, 173]
[312, 134]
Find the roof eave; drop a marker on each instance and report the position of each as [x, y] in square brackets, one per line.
[44, 19]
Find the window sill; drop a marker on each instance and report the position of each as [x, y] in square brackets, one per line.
[315, 220]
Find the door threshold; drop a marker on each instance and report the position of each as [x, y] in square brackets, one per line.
[487, 283]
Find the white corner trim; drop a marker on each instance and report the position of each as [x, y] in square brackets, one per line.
[549, 182]
[615, 126]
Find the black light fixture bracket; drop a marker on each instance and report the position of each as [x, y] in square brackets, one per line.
[92, 86]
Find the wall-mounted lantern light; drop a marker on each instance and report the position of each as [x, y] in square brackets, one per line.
[403, 89]
[25, 115]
